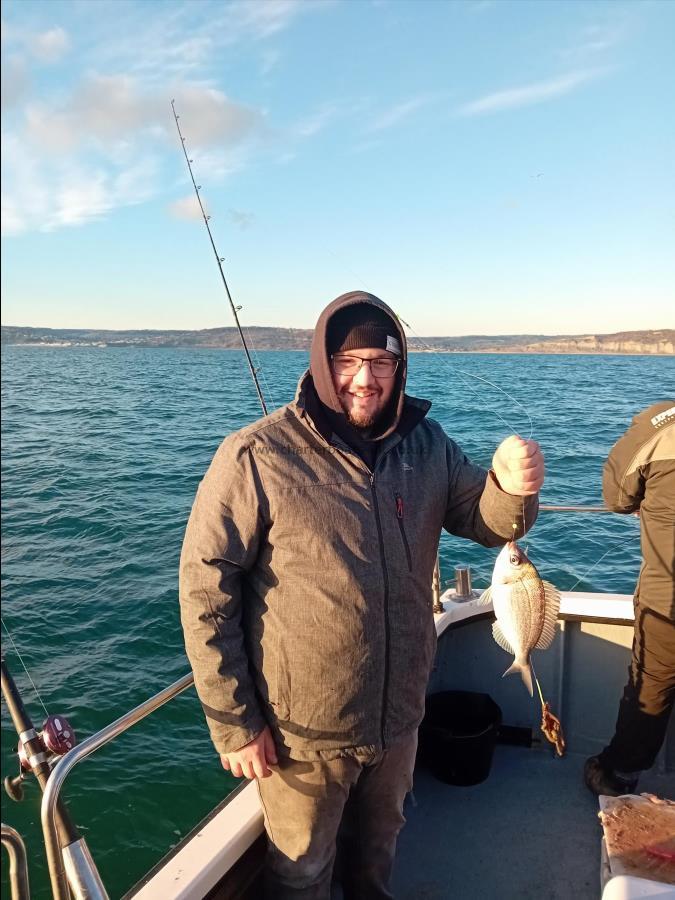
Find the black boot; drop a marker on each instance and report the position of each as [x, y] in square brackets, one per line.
[602, 780]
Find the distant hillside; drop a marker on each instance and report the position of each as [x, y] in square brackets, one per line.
[662, 342]
[649, 342]
[220, 338]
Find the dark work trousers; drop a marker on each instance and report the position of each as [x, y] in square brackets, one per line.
[648, 697]
[305, 804]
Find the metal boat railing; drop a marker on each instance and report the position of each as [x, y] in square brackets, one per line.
[18, 865]
[85, 880]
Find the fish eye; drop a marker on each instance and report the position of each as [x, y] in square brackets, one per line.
[514, 560]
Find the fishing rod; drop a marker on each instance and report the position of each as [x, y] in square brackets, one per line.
[220, 260]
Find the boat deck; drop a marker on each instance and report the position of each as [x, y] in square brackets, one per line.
[530, 830]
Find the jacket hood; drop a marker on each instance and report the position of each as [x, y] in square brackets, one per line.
[321, 372]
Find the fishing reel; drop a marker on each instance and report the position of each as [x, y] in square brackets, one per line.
[56, 739]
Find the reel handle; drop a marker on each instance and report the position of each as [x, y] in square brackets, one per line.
[14, 787]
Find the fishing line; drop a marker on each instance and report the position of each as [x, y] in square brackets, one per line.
[550, 724]
[16, 650]
[597, 562]
[462, 372]
[536, 681]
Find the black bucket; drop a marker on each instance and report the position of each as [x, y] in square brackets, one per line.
[458, 735]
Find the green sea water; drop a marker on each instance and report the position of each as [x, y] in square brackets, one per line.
[102, 451]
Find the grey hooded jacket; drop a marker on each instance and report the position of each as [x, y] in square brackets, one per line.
[305, 579]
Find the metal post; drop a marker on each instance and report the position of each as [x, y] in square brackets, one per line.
[463, 589]
[18, 864]
[95, 888]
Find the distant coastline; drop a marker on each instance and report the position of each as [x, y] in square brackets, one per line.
[649, 342]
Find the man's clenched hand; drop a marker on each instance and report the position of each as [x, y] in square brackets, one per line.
[252, 759]
[519, 466]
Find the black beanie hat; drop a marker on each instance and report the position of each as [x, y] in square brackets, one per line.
[362, 325]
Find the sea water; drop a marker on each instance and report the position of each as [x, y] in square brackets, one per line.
[102, 451]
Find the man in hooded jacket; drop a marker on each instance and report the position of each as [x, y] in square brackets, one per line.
[306, 602]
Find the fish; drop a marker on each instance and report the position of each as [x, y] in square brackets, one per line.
[526, 609]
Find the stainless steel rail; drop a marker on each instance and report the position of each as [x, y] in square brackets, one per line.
[18, 865]
[94, 888]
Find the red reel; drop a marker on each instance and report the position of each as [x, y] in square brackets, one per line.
[57, 738]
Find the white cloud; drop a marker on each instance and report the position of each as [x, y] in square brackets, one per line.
[315, 123]
[209, 117]
[50, 46]
[262, 19]
[24, 197]
[187, 208]
[189, 39]
[110, 107]
[114, 110]
[78, 199]
[49, 130]
[46, 46]
[399, 112]
[73, 157]
[530, 94]
[595, 40]
[97, 151]
[43, 195]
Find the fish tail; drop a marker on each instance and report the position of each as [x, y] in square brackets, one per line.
[525, 673]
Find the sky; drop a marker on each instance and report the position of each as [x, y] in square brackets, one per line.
[484, 166]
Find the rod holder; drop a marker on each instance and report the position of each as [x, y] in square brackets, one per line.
[463, 591]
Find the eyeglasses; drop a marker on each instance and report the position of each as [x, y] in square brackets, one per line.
[380, 367]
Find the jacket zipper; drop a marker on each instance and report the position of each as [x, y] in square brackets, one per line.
[385, 579]
[401, 527]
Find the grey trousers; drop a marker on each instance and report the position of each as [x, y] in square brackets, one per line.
[356, 801]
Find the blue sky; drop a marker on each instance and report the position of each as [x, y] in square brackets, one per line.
[484, 166]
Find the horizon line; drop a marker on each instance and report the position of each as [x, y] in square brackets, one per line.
[311, 330]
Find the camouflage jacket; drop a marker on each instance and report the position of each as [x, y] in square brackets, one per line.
[640, 475]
